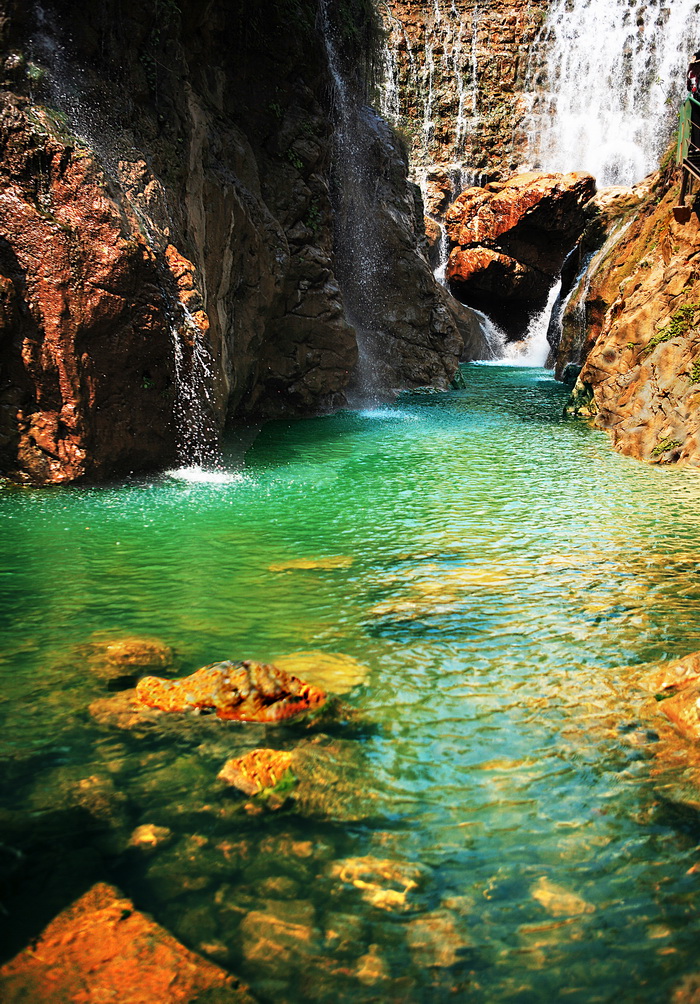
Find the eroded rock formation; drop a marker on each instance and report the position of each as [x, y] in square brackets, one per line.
[510, 240]
[636, 323]
[242, 691]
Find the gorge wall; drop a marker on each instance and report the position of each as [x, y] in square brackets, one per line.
[168, 253]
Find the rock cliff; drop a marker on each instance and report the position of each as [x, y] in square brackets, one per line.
[458, 84]
[168, 252]
[634, 322]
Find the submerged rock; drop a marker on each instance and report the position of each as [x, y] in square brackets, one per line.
[241, 691]
[435, 940]
[558, 901]
[285, 931]
[383, 883]
[510, 241]
[121, 661]
[100, 948]
[323, 777]
[313, 564]
[256, 771]
[332, 671]
[148, 836]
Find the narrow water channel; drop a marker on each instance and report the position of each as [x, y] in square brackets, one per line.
[490, 564]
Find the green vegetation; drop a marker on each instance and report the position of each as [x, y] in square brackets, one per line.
[313, 217]
[294, 159]
[680, 324]
[665, 446]
[695, 372]
[35, 74]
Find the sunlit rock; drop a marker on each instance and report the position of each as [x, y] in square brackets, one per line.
[640, 342]
[673, 675]
[257, 771]
[241, 691]
[383, 883]
[558, 901]
[510, 240]
[100, 948]
[683, 710]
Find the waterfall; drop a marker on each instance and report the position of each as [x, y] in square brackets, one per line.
[360, 267]
[449, 53]
[440, 272]
[614, 73]
[534, 348]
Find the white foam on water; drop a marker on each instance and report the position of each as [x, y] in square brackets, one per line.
[200, 475]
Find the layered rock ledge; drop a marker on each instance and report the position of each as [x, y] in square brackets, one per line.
[510, 240]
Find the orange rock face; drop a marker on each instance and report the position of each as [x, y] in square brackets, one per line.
[240, 691]
[257, 770]
[640, 343]
[87, 344]
[102, 949]
[511, 240]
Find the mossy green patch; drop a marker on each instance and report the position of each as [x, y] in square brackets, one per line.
[665, 446]
[682, 321]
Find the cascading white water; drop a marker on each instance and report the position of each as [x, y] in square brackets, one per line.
[534, 348]
[615, 71]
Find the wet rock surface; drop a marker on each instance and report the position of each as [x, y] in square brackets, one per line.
[460, 71]
[244, 691]
[101, 948]
[256, 771]
[510, 239]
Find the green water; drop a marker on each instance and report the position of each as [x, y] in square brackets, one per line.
[491, 564]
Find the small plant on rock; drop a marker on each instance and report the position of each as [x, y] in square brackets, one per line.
[680, 324]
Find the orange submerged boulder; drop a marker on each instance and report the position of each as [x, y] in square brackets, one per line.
[242, 691]
[102, 949]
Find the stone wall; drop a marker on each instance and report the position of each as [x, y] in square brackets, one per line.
[457, 76]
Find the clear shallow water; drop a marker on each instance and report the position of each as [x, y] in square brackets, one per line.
[491, 564]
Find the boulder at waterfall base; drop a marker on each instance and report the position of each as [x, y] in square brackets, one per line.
[510, 240]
